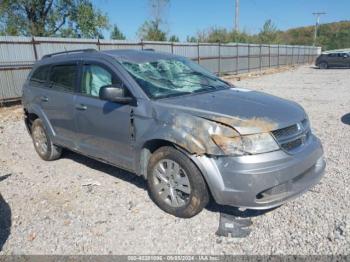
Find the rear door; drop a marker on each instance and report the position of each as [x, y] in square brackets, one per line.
[103, 128]
[57, 102]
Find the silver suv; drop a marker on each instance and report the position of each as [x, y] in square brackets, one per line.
[164, 117]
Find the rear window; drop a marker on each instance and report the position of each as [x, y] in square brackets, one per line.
[40, 75]
[64, 77]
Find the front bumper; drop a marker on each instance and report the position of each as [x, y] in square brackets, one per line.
[263, 181]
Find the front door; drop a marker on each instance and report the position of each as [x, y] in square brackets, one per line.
[345, 59]
[103, 128]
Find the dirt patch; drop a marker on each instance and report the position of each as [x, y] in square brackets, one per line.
[11, 113]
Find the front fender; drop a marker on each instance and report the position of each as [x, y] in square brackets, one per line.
[180, 138]
[191, 133]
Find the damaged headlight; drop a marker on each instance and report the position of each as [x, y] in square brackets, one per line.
[246, 145]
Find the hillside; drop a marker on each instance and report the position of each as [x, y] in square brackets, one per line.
[330, 36]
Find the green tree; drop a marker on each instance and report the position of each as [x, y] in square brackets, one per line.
[89, 21]
[174, 38]
[217, 35]
[269, 33]
[117, 34]
[191, 39]
[222, 35]
[242, 37]
[67, 18]
[150, 31]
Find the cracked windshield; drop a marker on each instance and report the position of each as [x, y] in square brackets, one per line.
[173, 77]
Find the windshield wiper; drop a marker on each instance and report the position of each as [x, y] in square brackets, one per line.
[209, 88]
[173, 94]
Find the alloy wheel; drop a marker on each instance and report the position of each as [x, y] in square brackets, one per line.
[40, 140]
[171, 183]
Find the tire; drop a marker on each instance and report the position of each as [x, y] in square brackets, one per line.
[42, 142]
[323, 65]
[182, 201]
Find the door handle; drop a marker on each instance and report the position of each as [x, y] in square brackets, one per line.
[44, 98]
[81, 107]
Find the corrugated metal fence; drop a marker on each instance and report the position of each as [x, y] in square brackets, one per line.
[17, 55]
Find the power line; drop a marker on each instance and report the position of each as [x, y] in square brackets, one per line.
[318, 15]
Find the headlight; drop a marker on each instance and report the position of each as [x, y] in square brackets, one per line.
[246, 145]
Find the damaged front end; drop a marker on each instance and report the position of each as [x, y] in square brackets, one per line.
[220, 136]
[249, 170]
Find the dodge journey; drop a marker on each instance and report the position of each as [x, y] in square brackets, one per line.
[190, 134]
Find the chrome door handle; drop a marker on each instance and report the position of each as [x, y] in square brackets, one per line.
[44, 98]
[81, 107]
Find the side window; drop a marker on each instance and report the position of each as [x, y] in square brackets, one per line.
[95, 77]
[40, 75]
[63, 77]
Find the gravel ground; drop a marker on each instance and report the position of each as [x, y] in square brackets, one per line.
[79, 206]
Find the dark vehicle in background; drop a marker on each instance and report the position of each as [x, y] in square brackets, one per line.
[189, 133]
[333, 59]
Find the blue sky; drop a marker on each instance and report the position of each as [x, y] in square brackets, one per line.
[186, 17]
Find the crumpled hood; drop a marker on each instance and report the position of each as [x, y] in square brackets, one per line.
[247, 111]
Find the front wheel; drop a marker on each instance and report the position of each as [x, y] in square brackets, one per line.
[323, 65]
[175, 184]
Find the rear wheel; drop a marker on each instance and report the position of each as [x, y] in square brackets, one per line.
[175, 184]
[42, 142]
[323, 65]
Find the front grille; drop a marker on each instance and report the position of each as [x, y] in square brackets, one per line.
[288, 131]
[293, 137]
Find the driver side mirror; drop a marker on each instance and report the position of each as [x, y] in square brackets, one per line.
[114, 93]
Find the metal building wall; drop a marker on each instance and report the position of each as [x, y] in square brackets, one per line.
[18, 54]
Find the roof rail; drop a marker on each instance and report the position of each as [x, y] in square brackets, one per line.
[71, 51]
[149, 49]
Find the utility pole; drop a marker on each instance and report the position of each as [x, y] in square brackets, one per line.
[237, 16]
[318, 15]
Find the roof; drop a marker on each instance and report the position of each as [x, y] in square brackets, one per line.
[336, 51]
[134, 56]
[138, 56]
